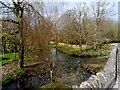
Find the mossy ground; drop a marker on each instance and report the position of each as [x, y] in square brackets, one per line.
[86, 51]
[9, 57]
[55, 86]
[12, 76]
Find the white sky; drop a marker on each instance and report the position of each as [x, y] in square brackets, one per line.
[69, 4]
[50, 6]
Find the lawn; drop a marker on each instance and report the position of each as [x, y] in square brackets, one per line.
[86, 51]
[8, 57]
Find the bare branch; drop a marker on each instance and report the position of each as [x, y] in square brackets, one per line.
[34, 9]
[6, 5]
[10, 20]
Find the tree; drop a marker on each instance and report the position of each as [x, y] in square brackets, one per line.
[18, 9]
[77, 25]
[100, 11]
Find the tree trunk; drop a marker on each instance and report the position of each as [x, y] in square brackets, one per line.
[14, 53]
[3, 52]
[21, 53]
[94, 43]
[14, 46]
[21, 57]
[21, 60]
[80, 45]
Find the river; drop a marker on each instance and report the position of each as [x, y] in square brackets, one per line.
[69, 70]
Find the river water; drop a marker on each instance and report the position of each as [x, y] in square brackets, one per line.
[69, 70]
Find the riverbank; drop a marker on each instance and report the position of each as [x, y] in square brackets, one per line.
[31, 76]
[86, 51]
[11, 76]
[92, 66]
[66, 65]
[9, 67]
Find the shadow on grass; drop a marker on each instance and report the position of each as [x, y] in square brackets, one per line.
[4, 58]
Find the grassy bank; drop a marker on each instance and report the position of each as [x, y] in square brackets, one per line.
[85, 51]
[92, 66]
[8, 57]
[12, 76]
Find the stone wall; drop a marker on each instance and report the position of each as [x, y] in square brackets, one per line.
[104, 79]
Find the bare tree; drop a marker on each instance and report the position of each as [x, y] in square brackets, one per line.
[18, 9]
[100, 11]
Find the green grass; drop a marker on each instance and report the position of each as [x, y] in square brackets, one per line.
[86, 51]
[55, 86]
[6, 79]
[19, 72]
[92, 53]
[68, 50]
[8, 57]
[12, 76]
[51, 43]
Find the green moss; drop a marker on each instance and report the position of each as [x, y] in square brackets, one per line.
[19, 72]
[8, 57]
[6, 79]
[55, 86]
[9, 77]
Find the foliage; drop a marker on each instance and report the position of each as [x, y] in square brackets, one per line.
[9, 57]
[14, 75]
[68, 50]
[6, 79]
[86, 52]
[93, 53]
[19, 72]
[12, 43]
[51, 44]
[55, 86]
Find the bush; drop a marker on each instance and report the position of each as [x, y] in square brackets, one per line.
[6, 79]
[9, 77]
[19, 72]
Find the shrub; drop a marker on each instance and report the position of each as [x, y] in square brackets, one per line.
[6, 79]
[19, 72]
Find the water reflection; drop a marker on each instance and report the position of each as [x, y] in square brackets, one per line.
[69, 68]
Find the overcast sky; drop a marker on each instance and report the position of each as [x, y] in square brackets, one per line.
[64, 5]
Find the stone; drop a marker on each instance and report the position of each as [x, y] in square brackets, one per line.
[105, 78]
